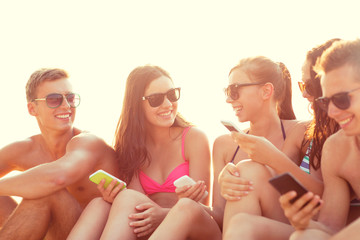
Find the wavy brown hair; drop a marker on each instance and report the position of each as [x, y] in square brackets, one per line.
[321, 126]
[263, 70]
[129, 140]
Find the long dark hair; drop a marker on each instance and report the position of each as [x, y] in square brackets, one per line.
[129, 140]
[321, 126]
[262, 69]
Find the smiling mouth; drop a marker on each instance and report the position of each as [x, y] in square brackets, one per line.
[345, 121]
[63, 116]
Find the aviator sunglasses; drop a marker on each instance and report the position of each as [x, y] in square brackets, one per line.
[232, 90]
[308, 86]
[340, 100]
[157, 99]
[54, 100]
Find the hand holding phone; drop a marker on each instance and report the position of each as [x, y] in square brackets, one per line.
[99, 175]
[285, 183]
[186, 180]
[231, 126]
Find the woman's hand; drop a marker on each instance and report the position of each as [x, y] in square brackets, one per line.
[195, 192]
[259, 149]
[147, 219]
[111, 191]
[232, 185]
[302, 210]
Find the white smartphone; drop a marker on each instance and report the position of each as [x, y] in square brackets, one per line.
[231, 126]
[99, 175]
[186, 180]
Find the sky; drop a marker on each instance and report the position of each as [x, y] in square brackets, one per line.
[197, 42]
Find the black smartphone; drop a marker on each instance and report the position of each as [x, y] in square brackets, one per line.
[285, 183]
[231, 126]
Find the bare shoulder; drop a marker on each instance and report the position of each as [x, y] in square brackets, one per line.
[16, 149]
[336, 147]
[195, 134]
[298, 125]
[87, 140]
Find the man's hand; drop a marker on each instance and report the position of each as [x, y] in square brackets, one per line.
[301, 211]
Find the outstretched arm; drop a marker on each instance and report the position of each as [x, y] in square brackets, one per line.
[81, 155]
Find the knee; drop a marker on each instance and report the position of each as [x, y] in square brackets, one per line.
[98, 203]
[129, 197]
[188, 209]
[253, 170]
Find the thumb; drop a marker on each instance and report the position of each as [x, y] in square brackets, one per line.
[232, 169]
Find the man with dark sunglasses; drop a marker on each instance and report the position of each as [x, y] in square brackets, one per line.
[339, 68]
[55, 164]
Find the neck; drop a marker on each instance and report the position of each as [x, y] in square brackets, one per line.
[55, 143]
[265, 126]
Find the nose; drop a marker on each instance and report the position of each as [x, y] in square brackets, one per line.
[167, 102]
[65, 102]
[229, 99]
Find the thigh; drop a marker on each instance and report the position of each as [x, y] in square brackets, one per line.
[247, 226]
[65, 211]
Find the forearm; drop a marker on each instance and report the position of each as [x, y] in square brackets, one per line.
[283, 164]
[33, 183]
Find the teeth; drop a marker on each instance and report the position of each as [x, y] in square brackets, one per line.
[63, 116]
[237, 109]
[165, 114]
[343, 122]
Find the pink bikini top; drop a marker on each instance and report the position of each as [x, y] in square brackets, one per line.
[150, 186]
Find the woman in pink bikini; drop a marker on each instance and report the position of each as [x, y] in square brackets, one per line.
[155, 146]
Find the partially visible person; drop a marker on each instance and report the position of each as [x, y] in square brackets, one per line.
[339, 68]
[295, 152]
[55, 164]
[155, 146]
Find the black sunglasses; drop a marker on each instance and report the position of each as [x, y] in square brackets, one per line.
[232, 90]
[340, 100]
[308, 86]
[54, 100]
[157, 99]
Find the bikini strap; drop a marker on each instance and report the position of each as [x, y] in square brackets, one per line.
[283, 130]
[183, 141]
[237, 149]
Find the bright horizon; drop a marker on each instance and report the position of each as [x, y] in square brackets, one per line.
[197, 42]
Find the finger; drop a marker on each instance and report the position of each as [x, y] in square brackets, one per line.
[304, 199]
[140, 223]
[145, 233]
[144, 206]
[231, 198]
[236, 187]
[100, 186]
[232, 169]
[181, 190]
[110, 187]
[286, 198]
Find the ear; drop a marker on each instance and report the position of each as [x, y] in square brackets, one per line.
[268, 90]
[32, 108]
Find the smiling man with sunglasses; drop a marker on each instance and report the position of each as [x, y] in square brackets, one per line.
[339, 68]
[55, 164]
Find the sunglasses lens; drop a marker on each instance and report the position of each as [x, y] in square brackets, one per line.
[234, 92]
[341, 100]
[73, 99]
[54, 100]
[156, 100]
[173, 95]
